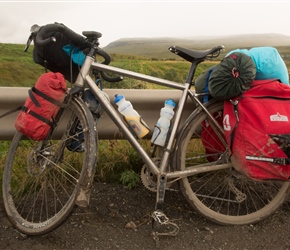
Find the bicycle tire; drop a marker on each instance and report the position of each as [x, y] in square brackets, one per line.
[41, 178]
[224, 196]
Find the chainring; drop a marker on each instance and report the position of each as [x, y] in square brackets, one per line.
[149, 179]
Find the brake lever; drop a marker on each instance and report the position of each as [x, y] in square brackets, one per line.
[30, 39]
[34, 29]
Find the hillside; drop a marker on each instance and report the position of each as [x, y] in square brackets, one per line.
[144, 55]
[158, 47]
[17, 68]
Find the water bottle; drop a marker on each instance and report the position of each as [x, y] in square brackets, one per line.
[163, 124]
[131, 116]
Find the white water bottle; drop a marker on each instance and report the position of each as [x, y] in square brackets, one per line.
[163, 124]
[131, 116]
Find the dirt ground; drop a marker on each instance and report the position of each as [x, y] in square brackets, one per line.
[104, 225]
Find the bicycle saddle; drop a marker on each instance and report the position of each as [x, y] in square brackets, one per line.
[192, 55]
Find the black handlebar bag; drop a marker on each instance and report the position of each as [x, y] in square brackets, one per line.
[58, 56]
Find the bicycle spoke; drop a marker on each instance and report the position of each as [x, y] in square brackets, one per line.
[224, 196]
[40, 186]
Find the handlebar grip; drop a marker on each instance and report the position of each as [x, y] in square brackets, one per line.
[41, 36]
[107, 61]
[105, 55]
[77, 39]
[46, 41]
[44, 31]
[111, 79]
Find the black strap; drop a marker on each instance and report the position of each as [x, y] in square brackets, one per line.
[281, 161]
[28, 111]
[37, 116]
[11, 111]
[34, 100]
[233, 133]
[44, 96]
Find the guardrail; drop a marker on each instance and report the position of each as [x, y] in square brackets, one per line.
[147, 102]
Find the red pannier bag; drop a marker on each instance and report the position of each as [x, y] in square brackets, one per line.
[257, 130]
[213, 145]
[40, 108]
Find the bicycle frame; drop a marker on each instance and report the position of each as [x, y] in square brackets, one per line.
[115, 117]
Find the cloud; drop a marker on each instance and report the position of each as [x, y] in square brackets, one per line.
[123, 19]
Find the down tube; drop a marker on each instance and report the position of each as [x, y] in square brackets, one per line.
[112, 113]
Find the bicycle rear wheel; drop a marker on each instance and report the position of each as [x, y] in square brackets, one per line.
[41, 178]
[223, 196]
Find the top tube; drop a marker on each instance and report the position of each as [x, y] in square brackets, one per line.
[138, 76]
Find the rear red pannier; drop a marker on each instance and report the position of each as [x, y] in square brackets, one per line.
[257, 129]
[42, 105]
[213, 145]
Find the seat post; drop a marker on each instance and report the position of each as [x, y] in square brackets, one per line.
[192, 70]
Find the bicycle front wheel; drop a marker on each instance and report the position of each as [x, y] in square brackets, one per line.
[41, 178]
[223, 196]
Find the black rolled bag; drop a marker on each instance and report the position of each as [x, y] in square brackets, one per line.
[232, 76]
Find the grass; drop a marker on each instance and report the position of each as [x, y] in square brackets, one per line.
[117, 157]
[17, 68]
[117, 161]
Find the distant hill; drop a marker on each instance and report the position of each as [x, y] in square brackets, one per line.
[158, 47]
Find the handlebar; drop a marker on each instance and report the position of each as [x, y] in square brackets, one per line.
[42, 40]
[107, 61]
[81, 42]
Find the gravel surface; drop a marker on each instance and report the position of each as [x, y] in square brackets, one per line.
[119, 218]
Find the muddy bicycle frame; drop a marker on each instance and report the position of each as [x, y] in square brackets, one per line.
[160, 171]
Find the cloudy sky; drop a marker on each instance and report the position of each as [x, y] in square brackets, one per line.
[127, 19]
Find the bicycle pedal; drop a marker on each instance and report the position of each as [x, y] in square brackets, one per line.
[160, 219]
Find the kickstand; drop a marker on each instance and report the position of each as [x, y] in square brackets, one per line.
[160, 220]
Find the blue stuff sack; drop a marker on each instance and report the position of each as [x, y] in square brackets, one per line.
[201, 84]
[269, 63]
[75, 53]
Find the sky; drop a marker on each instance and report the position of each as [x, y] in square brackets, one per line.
[130, 19]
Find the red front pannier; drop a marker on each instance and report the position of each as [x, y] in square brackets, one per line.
[41, 107]
[257, 129]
